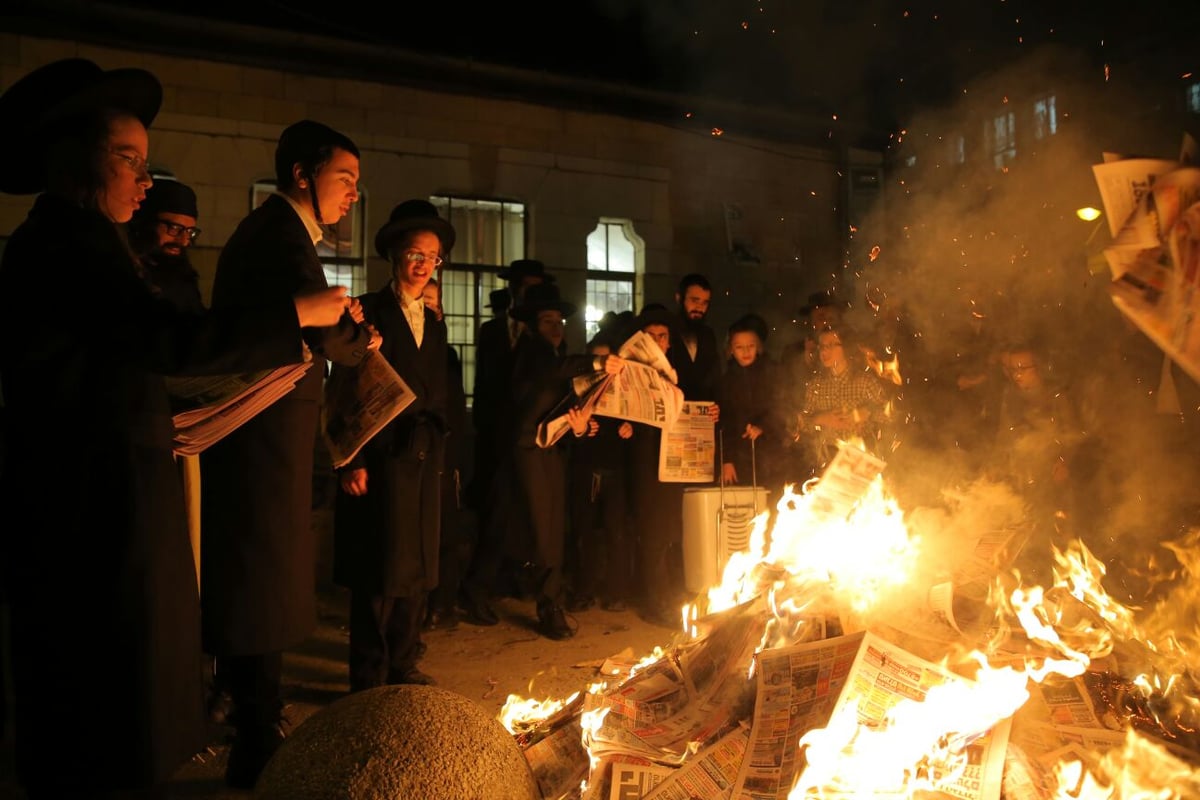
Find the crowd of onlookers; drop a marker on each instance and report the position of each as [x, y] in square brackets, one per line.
[109, 532]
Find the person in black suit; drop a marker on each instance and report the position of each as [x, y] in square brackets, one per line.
[387, 517]
[98, 573]
[259, 556]
[502, 514]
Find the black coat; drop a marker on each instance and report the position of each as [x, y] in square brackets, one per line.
[699, 377]
[105, 617]
[386, 541]
[258, 553]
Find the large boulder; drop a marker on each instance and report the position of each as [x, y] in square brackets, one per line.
[399, 743]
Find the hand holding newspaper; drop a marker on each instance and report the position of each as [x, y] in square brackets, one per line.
[359, 402]
[644, 391]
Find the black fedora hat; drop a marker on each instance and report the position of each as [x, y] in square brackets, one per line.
[525, 268]
[413, 215]
[45, 101]
[656, 314]
[541, 297]
[499, 299]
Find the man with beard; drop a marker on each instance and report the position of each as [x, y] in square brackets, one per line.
[693, 352]
[160, 232]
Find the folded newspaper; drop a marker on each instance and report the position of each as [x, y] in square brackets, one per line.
[359, 402]
[644, 391]
[208, 408]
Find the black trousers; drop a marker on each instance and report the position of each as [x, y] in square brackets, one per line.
[256, 685]
[385, 638]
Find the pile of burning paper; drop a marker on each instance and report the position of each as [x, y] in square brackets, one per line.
[855, 653]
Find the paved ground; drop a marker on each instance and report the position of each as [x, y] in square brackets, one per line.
[484, 664]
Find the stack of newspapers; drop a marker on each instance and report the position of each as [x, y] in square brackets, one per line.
[208, 408]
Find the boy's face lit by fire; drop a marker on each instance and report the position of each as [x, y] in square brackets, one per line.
[744, 347]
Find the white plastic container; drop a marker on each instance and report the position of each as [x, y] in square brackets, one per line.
[717, 523]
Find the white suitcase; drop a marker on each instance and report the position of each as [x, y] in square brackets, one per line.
[717, 523]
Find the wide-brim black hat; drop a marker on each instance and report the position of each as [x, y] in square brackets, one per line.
[414, 215]
[656, 314]
[44, 103]
[499, 298]
[538, 298]
[525, 268]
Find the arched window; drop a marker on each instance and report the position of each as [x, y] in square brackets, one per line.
[616, 258]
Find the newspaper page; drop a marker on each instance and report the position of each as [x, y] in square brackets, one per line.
[690, 696]
[710, 774]
[1124, 182]
[803, 687]
[845, 481]
[210, 408]
[630, 780]
[558, 761]
[640, 347]
[639, 393]
[359, 402]
[687, 453]
[586, 391]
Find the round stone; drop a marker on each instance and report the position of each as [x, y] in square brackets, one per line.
[399, 742]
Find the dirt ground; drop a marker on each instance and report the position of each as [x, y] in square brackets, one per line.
[485, 664]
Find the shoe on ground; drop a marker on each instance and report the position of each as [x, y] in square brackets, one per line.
[413, 677]
[441, 619]
[614, 605]
[478, 611]
[553, 623]
[249, 754]
[219, 705]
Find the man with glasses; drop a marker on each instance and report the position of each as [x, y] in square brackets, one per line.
[161, 231]
[387, 517]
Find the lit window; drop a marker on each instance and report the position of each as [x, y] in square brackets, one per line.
[615, 259]
[1045, 118]
[489, 235]
[1001, 134]
[1192, 98]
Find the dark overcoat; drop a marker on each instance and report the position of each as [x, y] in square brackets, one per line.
[105, 619]
[258, 548]
[386, 541]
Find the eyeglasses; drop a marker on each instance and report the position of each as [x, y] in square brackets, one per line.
[134, 161]
[174, 229]
[418, 258]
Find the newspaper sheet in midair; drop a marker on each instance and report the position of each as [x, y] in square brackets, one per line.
[1153, 209]
[208, 408]
[359, 402]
